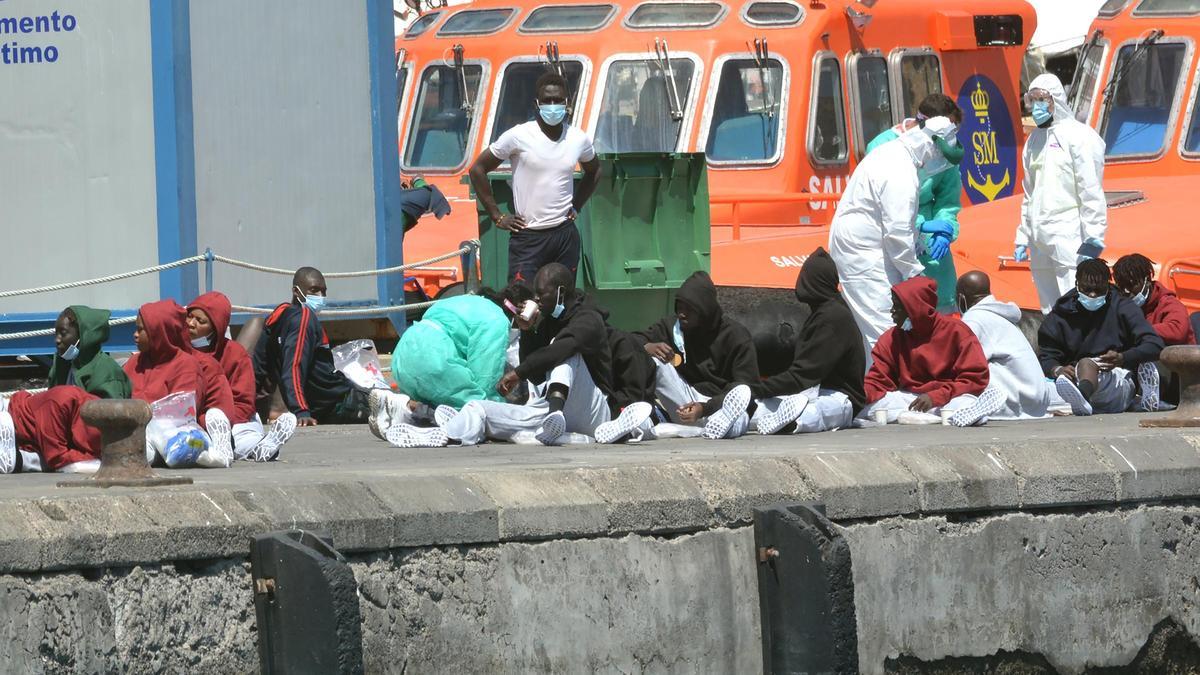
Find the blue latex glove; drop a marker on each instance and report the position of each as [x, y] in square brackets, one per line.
[1021, 253]
[939, 246]
[938, 227]
[1089, 249]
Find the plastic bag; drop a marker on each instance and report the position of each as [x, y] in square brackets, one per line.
[359, 362]
[173, 433]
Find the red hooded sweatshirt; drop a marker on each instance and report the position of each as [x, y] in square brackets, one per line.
[49, 423]
[940, 356]
[1168, 317]
[170, 365]
[234, 361]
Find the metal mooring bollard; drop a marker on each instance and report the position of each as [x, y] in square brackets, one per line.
[1184, 360]
[306, 605]
[122, 425]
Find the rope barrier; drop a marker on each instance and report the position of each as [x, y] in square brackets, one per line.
[8, 394]
[103, 280]
[47, 332]
[364, 311]
[343, 275]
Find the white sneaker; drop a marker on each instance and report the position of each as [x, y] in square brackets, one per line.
[8, 443]
[1148, 384]
[789, 411]
[404, 435]
[553, 426]
[443, 414]
[4, 403]
[734, 406]
[280, 432]
[977, 413]
[220, 450]
[630, 420]
[380, 418]
[1071, 394]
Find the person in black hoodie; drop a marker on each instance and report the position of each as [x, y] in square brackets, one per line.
[700, 354]
[823, 388]
[566, 356]
[1092, 342]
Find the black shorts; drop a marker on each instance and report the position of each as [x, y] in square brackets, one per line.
[529, 250]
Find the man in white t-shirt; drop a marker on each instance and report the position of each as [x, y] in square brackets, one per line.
[543, 153]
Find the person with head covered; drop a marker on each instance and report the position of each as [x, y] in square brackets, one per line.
[873, 236]
[1064, 214]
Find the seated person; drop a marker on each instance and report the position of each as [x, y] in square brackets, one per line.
[566, 356]
[700, 354]
[166, 364]
[1134, 277]
[928, 362]
[79, 334]
[293, 354]
[823, 388]
[1093, 341]
[45, 432]
[1013, 367]
[208, 322]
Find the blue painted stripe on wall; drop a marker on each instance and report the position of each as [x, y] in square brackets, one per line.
[389, 228]
[174, 149]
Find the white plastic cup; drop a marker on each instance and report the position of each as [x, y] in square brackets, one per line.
[881, 416]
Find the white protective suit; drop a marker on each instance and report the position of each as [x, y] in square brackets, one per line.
[873, 235]
[1064, 203]
[1013, 367]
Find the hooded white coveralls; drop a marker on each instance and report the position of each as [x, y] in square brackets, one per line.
[1064, 204]
[873, 235]
[1013, 367]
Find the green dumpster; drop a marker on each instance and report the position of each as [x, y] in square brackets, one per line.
[643, 232]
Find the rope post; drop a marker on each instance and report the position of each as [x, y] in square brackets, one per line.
[208, 270]
[122, 425]
[470, 261]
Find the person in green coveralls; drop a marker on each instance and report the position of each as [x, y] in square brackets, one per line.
[940, 202]
[79, 334]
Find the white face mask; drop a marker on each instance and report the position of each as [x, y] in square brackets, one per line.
[1141, 298]
[559, 307]
[202, 342]
[71, 353]
[906, 326]
[677, 335]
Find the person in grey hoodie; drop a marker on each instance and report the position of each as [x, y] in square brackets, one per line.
[1012, 364]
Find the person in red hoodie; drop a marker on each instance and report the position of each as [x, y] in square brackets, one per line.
[165, 363]
[44, 432]
[1134, 277]
[208, 323]
[927, 363]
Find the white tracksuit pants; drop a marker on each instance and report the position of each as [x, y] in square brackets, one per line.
[1051, 279]
[585, 409]
[896, 402]
[827, 409]
[674, 392]
[247, 436]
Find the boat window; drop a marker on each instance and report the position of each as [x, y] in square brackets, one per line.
[1112, 8]
[1191, 140]
[872, 98]
[1087, 75]
[1138, 115]
[920, 76]
[1167, 8]
[567, 18]
[476, 22]
[440, 134]
[517, 102]
[675, 15]
[422, 24]
[636, 113]
[827, 129]
[772, 13]
[746, 112]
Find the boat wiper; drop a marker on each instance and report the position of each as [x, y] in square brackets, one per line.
[762, 58]
[663, 54]
[461, 69]
[553, 59]
[1138, 52]
[400, 58]
[1081, 63]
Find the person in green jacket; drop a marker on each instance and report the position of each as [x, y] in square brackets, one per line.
[79, 334]
[940, 202]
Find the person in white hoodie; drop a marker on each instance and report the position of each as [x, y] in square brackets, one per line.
[1064, 213]
[1013, 367]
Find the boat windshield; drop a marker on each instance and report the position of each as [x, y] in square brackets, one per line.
[1137, 118]
[635, 110]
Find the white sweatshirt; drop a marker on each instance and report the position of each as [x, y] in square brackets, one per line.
[1012, 364]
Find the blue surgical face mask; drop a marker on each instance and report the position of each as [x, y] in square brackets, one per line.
[552, 113]
[559, 307]
[906, 326]
[1141, 298]
[677, 335]
[1092, 304]
[1041, 113]
[202, 342]
[71, 353]
[314, 302]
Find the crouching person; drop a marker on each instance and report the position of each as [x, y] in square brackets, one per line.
[1094, 341]
[45, 432]
[926, 364]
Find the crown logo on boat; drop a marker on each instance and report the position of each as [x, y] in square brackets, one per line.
[980, 101]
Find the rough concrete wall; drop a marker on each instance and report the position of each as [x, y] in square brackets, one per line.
[1081, 589]
[687, 604]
